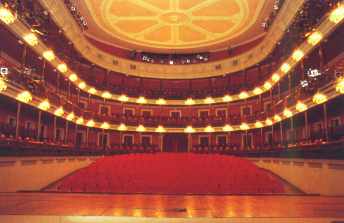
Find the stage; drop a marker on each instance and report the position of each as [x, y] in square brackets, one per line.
[50, 207]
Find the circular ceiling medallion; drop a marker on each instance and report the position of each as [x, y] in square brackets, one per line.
[174, 18]
[174, 24]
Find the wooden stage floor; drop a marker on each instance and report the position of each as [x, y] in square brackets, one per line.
[170, 206]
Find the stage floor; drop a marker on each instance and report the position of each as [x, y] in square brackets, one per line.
[169, 206]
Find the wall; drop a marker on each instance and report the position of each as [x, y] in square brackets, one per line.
[35, 173]
[325, 177]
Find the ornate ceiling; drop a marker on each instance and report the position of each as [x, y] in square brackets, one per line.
[175, 25]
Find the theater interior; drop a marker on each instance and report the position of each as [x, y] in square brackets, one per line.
[171, 111]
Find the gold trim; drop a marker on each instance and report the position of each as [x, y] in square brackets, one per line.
[65, 21]
[329, 91]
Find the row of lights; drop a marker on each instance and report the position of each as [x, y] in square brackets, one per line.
[44, 105]
[318, 98]
[336, 16]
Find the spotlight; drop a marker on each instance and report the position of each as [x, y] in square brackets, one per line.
[140, 128]
[337, 15]
[90, 123]
[80, 121]
[24, 97]
[30, 39]
[6, 16]
[314, 38]
[44, 105]
[59, 112]
[105, 125]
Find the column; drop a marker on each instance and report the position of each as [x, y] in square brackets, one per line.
[272, 132]
[120, 141]
[18, 119]
[54, 129]
[43, 69]
[66, 132]
[161, 141]
[292, 129]
[39, 125]
[325, 121]
[75, 134]
[261, 138]
[306, 125]
[281, 132]
[189, 142]
[87, 134]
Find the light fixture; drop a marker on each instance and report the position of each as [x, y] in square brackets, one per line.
[62, 67]
[92, 90]
[337, 14]
[275, 77]
[106, 95]
[297, 55]
[105, 125]
[80, 121]
[3, 85]
[319, 98]
[160, 129]
[140, 128]
[257, 91]
[189, 101]
[49, 55]
[82, 85]
[267, 85]
[287, 113]
[122, 127]
[258, 124]
[209, 100]
[314, 38]
[59, 111]
[339, 85]
[209, 128]
[141, 100]
[6, 16]
[30, 39]
[189, 129]
[285, 68]
[301, 106]
[227, 98]
[268, 121]
[70, 116]
[24, 97]
[243, 95]
[44, 105]
[277, 118]
[160, 101]
[244, 126]
[73, 77]
[123, 98]
[227, 128]
[90, 123]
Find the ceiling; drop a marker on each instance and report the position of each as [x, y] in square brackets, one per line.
[175, 25]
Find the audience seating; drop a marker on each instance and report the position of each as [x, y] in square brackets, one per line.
[171, 173]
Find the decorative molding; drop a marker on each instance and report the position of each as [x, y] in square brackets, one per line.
[64, 20]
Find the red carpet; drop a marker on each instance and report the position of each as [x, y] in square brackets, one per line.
[169, 173]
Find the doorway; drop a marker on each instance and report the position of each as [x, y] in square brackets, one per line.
[175, 143]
